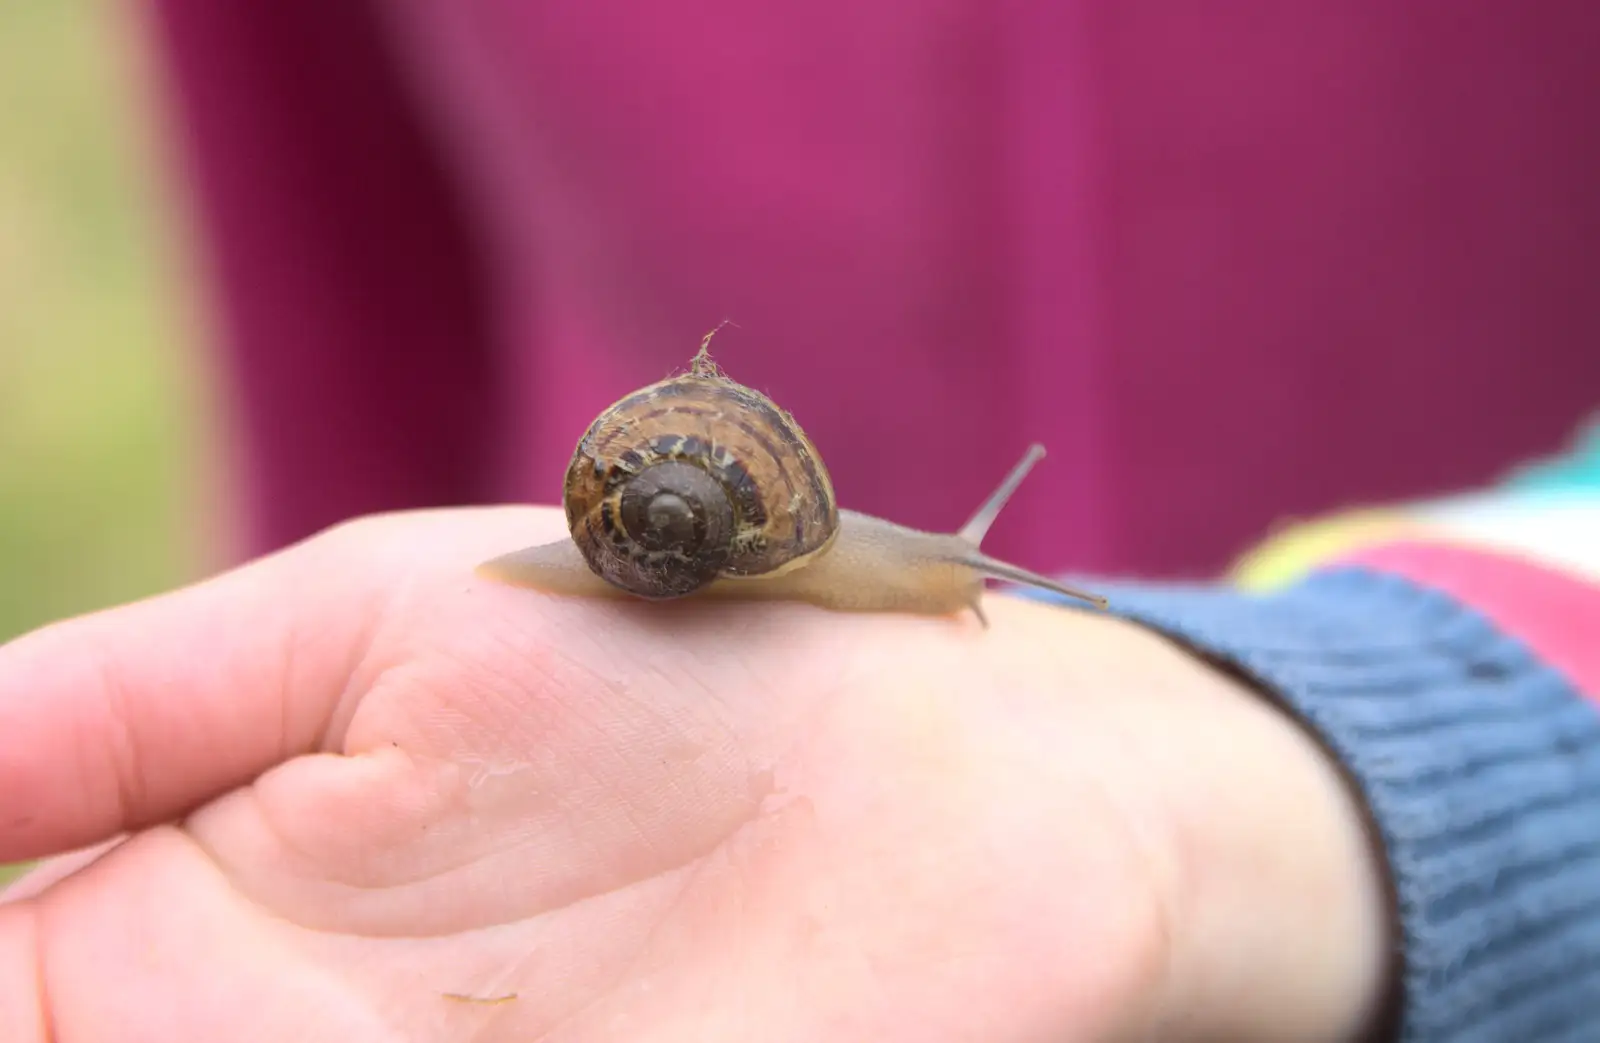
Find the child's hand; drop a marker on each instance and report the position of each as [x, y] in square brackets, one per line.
[407, 804]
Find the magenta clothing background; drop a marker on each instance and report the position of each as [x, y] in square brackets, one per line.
[1229, 262]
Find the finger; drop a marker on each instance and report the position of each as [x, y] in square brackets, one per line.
[22, 1014]
[134, 715]
[113, 720]
[41, 877]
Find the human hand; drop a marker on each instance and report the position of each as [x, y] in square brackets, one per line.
[362, 795]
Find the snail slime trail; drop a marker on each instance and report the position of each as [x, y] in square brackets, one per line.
[697, 486]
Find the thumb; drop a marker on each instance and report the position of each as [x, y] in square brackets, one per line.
[136, 714]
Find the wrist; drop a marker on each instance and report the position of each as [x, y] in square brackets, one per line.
[1281, 908]
[1477, 762]
[1291, 929]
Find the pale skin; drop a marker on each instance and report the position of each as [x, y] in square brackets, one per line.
[363, 794]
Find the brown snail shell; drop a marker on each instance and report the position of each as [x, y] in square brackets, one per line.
[698, 485]
[694, 478]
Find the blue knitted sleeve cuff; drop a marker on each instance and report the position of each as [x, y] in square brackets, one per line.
[1480, 767]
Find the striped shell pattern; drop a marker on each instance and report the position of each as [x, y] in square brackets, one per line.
[695, 478]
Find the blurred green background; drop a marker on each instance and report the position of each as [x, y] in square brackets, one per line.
[104, 439]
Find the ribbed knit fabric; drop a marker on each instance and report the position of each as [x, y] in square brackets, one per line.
[1480, 766]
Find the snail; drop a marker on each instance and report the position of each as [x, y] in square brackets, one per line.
[700, 486]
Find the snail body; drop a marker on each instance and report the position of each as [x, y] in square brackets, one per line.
[699, 486]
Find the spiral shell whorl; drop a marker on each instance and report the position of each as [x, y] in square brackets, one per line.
[693, 478]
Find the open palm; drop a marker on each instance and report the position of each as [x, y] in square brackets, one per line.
[367, 796]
